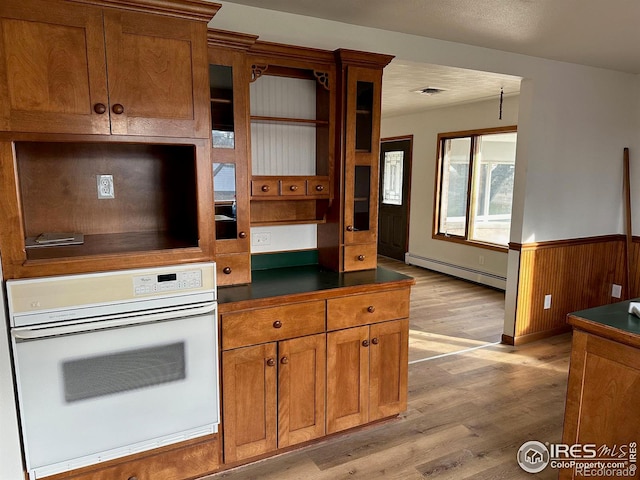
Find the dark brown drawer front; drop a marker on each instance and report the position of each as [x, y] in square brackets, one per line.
[252, 327]
[367, 308]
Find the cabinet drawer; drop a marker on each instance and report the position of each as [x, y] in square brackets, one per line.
[360, 257]
[233, 269]
[184, 462]
[292, 187]
[261, 187]
[263, 325]
[318, 187]
[367, 308]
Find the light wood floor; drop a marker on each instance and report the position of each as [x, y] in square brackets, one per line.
[468, 412]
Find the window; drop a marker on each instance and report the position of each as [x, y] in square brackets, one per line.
[475, 172]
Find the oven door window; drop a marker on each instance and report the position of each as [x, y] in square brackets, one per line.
[108, 390]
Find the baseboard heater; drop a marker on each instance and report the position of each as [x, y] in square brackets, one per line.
[465, 273]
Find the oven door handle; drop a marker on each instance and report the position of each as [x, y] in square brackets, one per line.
[31, 333]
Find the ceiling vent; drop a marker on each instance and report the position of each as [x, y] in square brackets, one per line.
[429, 91]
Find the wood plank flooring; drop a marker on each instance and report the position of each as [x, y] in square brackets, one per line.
[468, 412]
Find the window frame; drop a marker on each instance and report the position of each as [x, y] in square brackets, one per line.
[473, 135]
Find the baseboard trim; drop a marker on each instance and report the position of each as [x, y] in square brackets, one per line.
[534, 337]
[477, 276]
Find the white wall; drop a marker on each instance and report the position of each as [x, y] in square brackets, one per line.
[425, 127]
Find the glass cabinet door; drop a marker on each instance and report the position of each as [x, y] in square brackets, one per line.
[228, 87]
[221, 92]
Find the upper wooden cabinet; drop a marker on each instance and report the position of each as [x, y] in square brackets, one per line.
[355, 218]
[68, 67]
[229, 106]
[293, 114]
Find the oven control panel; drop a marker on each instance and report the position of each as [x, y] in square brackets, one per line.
[167, 282]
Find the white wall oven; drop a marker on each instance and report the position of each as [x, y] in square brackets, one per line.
[115, 363]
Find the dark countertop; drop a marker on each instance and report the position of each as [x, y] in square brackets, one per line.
[305, 279]
[612, 321]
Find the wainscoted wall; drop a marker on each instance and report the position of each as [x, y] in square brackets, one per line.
[577, 273]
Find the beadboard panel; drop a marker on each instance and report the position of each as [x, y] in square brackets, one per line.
[578, 274]
[283, 148]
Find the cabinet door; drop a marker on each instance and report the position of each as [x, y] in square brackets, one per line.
[229, 91]
[362, 145]
[602, 394]
[158, 82]
[388, 368]
[52, 68]
[301, 389]
[249, 401]
[347, 378]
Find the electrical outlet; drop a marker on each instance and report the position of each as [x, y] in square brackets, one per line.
[105, 186]
[616, 291]
[547, 302]
[260, 239]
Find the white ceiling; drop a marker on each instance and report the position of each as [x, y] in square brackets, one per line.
[599, 33]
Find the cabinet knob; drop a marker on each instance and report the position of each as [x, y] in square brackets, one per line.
[365, 343]
[371, 309]
[319, 188]
[284, 360]
[293, 188]
[117, 109]
[271, 362]
[264, 188]
[361, 258]
[242, 234]
[375, 340]
[277, 324]
[349, 228]
[132, 478]
[226, 270]
[99, 108]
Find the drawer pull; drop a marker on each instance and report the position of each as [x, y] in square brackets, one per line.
[349, 228]
[277, 324]
[375, 340]
[226, 270]
[319, 188]
[242, 234]
[361, 258]
[284, 360]
[371, 309]
[99, 108]
[118, 109]
[293, 188]
[132, 478]
[264, 188]
[365, 343]
[271, 362]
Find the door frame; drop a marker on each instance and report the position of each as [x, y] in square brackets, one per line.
[409, 164]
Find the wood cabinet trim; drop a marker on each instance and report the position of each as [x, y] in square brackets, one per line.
[189, 9]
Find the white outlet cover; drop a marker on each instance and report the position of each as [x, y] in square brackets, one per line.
[105, 186]
[616, 291]
[547, 302]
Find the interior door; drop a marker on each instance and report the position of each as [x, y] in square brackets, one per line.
[395, 186]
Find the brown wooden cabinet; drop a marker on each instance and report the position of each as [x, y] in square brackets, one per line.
[366, 374]
[71, 68]
[293, 116]
[354, 220]
[273, 374]
[229, 106]
[603, 388]
[273, 396]
[189, 459]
